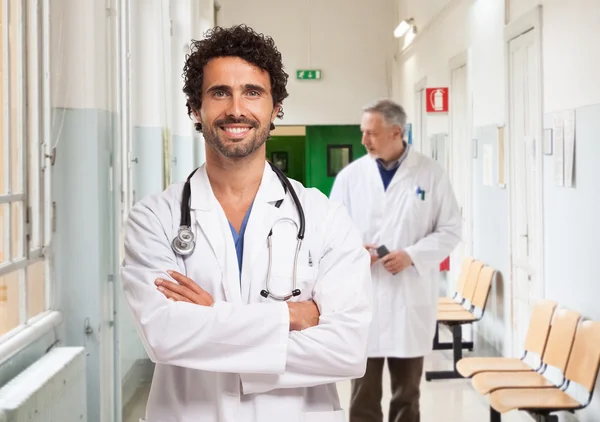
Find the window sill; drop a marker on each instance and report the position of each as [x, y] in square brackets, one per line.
[29, 334]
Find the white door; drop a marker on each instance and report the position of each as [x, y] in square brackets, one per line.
[525, 186]
[460, 165]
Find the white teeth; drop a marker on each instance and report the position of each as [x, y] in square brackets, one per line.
[237, 129]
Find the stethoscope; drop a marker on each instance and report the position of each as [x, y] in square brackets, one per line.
[185, 241]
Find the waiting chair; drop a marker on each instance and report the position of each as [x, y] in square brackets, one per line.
[576, 392]
[466, 296]
[460, 285]
[535, 343]
[554, 361]
[463, 300]
[455, 320]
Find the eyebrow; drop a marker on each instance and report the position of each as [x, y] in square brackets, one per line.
[226, 88]
[254, 87]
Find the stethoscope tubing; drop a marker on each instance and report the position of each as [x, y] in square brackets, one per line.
[184, 243]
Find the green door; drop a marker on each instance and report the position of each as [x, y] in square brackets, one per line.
[288, 153]
[328, 149]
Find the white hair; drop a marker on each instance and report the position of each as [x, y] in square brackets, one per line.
[393, 113]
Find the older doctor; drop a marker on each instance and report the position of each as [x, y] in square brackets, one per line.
[224, 351]
[402, 200]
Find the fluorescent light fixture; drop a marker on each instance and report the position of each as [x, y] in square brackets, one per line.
[410, 36]
[403, 27]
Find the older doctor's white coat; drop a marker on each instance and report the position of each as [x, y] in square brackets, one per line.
[237, 361]
[428, 228]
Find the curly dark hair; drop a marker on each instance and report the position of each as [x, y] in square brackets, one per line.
[237, 41]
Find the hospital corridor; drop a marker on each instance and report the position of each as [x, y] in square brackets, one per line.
[299, 211]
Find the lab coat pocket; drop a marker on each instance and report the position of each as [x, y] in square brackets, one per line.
[305, 280]
[332, 416]
[418, 214]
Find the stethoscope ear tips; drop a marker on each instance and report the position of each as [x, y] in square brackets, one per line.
[264, 293]
[296, 292]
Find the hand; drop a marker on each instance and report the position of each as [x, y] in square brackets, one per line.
[371, 249]
[396, 261]
[185, 290]
[303, 315]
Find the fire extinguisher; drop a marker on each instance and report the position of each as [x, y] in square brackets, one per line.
[438, 99]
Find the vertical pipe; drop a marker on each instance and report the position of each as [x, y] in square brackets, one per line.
[203, 18]
[147, 96]
[182, 134]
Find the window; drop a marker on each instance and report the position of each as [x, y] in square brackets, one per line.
[24, 181]
[338, 157]
[280, 159]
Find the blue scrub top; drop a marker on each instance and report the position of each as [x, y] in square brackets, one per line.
[238, 239]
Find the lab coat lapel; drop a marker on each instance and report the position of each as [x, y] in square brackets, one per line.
[263, 215]
[405, 169]
[213, 223]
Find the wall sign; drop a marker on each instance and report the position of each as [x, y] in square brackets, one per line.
[311, 74]
[437, 100]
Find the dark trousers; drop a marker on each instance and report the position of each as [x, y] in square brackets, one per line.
[405, 375]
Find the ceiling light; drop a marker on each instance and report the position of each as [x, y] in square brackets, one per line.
[403, 27]
[411, 36]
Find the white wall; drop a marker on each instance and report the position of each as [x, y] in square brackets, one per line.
[571, 53]
[465, 26]
[353, 52]
[78, 87]
[570, 34]
[570, 69]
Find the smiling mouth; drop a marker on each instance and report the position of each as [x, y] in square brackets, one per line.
[236, 132]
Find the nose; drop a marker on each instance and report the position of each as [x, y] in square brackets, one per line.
[365, 140]
[236, 106]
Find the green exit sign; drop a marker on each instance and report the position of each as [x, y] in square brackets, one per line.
[308, 74]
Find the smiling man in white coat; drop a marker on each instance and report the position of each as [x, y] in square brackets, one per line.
[250, 292]
[402, 203]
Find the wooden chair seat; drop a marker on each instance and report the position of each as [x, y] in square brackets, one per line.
[450, 307]
[531, 399]
[468, 367]
[455, 316]
[486, 382]
[444, 300]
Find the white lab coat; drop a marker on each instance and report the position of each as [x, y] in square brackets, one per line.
[238, 361]
[404, 305]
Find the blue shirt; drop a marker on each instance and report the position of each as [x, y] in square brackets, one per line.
[387, 171]
[238, 239]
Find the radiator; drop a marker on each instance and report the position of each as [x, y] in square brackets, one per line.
[53, 389]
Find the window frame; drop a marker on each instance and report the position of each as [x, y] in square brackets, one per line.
[34, 136]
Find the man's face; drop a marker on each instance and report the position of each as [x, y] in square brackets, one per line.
[380, 139]
[237, 106]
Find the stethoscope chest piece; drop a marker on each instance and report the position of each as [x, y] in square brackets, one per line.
[184, 242]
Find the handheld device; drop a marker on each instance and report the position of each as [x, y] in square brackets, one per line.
[382, 251]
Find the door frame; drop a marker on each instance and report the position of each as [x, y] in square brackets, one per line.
[456, 62]
[463, 59]
[530, 21]
[419, 89]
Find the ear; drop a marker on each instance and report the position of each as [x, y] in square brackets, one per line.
[196, 115]
[275, 112]
[399, 132]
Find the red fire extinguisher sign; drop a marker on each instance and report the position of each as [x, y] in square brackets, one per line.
[437, 100]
